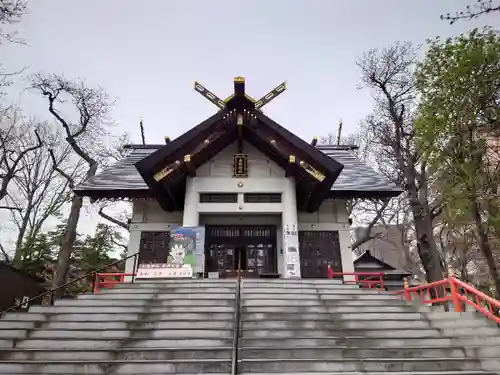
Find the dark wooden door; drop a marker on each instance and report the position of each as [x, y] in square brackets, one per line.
[317, 250]
[252, 248]
[154, 247]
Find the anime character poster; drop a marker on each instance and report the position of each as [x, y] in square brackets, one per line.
[185, 257]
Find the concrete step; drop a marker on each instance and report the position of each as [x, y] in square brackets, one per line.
[281, 296]
[13, 333]
[330, 323]
[462, 323]
[24, 317]
[293, 313]
[117, 354]
[4, 343]
[359, 341]
[299, 309]
[281, 302]
[170, 285]
[470, 331]
[126, 289]
[359, 296]
[366, 365]
[362, 303]
[130, 309]
[261, 290]
[97, 316]
[368, 308]
[217, 366]
[388, 311]
[152, 303]
[374, 316]
[158, 296]
[137, 344]
[301, 332]
[289, 288]
[339, 352]
[130, 333]
[17, 324]
[465, 372]
[153, 324]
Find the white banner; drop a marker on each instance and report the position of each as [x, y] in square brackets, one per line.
[292, 256]
[154, 271]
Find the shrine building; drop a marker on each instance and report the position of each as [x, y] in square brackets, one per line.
[270, 203]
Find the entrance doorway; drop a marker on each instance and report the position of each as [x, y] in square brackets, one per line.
[251, 249]
[318, 249]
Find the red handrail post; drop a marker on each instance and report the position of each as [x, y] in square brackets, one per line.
[455, 299]
[330, 272]
[406, 294]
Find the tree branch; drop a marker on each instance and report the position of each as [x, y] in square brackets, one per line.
[367, 235]
[112, 219]
[4, 253]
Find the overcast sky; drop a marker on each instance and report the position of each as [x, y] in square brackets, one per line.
[148, 53]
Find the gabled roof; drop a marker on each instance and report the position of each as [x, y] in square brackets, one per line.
[166, 169]
[122, 179]
[367, 258]
[163, 169]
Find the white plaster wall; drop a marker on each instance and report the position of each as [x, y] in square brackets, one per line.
[332, 215]
[221, 165]
[147, 215]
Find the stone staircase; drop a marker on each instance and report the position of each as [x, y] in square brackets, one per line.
[317, 326]
[173, 327]
[286, 326]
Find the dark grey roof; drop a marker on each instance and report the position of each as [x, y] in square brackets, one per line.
[120, 176]
[355, 178]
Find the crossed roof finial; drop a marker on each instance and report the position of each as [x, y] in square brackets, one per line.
[239, 98]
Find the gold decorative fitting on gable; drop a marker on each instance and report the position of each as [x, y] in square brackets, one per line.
[187, 158]
[312, 171]
[162, 174]
[239, 79]
[291, 159]
[239, 119]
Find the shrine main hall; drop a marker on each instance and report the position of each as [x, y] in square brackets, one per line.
[267, 202]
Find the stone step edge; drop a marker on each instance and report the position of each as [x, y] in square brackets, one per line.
[131, 329]
[166, 348]
[121, 349]
[465, 372]
[339, 338]
[173, 361]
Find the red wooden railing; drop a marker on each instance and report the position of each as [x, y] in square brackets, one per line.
[456, 292]
[369, 280]
[109, 280]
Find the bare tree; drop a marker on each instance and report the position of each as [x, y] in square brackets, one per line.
[38, 192]
[17, 140]
[85, 135]
[481, 7]
[389, 75]
[11, 12]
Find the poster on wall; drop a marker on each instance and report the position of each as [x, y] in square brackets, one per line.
[291, 246]
[185, 256]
